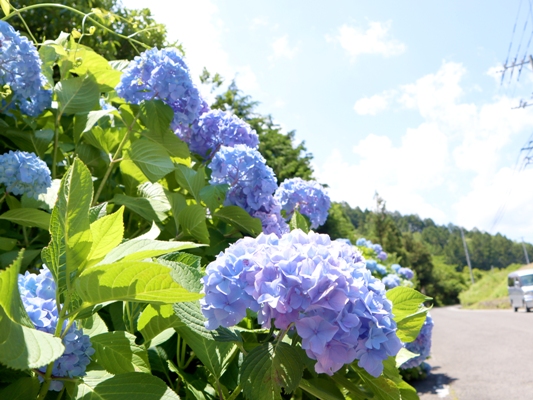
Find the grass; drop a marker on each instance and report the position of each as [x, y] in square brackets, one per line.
[491, 290]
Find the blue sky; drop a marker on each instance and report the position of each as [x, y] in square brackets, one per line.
[402, 98]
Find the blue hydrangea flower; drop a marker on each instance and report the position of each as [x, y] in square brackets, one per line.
[308, 197]
[217, 128]
[381, 269]
[24, 173]
[371, 265]
[308, 282]
[382, 255]
[38, 293]
[395, 267]
[252, 184]
[405, 273]
[162, 74]
[421, 345]
[391, 281]
[20, 69]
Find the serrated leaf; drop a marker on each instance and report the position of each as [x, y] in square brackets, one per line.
[97, 212]
[69, 226]
[192, 220]
[107, 234]
[28, 217]
[156, 116]
[186, 258]
[5, 6]
[268, 368]
[240, 219]
[405, 301]
[190, 314]
[191, 180]
[93, 117]
[151, 158]
[383, 388]
[156, 319]
[130, 281]
[409, 327]
[215, 356]
[403, 356]
[93, 325]
[139, 249]
[131, 385]
[188, 277]
[118, 353]
[141, 206]
[77, 95]
[10, 299]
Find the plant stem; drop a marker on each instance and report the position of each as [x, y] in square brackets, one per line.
[25, 233]
[116, 158]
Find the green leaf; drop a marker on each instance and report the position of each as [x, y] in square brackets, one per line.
[383, 388]
[192, 220]
[185, 258]
[215, 356]
[268, 368]
[156, 116]
[130, 281]
[240, 219]
[140, 249]
[322, 388]
[7, 244]
[403, 356]
[5, 6]
[93, 117]
[298, 221]
[22, 389]
[77, 95]
[10, 299]
[28, 217]
[191, 180]
[69, 226]
[141, 206]
[409, 327]
[107, 234]
[152, 159]
[97, 212]
[118, 353]
[405, 301]
[130, 385]
[156, 319]
[188, 277]
[407, 392]
[213, 196]
[93, 325]
[191, 315]
[37, 142]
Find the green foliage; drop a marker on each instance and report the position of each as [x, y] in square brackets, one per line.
[490, 291]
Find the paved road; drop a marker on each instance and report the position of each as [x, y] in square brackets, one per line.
[480, 355]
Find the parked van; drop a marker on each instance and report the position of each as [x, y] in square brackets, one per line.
[520, 287]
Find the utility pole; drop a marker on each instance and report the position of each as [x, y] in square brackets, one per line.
[525, 251]
[467, 256]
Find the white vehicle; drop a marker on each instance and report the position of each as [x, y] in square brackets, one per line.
[520, 287]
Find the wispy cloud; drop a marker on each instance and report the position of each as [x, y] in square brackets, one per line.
[373, 105]
[282, 49]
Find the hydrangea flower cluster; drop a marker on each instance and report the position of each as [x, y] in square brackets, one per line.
[308, 197]
[38, 294]
[421, 345]
[162, 74]
[406, 273]
[391, 281]
[24, 173]
[20, 69]
[252, 184]
[381, 255]
[306, 281]
[217, 128]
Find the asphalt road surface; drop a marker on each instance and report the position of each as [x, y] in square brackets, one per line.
[480, 355]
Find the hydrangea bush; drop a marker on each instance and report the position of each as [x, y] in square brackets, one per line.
[118, 189]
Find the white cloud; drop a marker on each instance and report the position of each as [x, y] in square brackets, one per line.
[282, 49]
[375, 40]
[374, 104]
[454, 154]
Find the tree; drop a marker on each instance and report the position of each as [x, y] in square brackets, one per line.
[383, 229]
[281, 154]
[48, 22]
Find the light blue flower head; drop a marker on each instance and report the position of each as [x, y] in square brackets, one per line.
[24, 173]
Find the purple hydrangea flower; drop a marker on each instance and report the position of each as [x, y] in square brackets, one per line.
[308, 282]
[252, 184]
[38, 293]
[382, 255]
[308, 197]
[162, 74]
[217, 128]
[24, 173]
[405, 273]
[391, 281]
[20, 69]
[421, 345]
